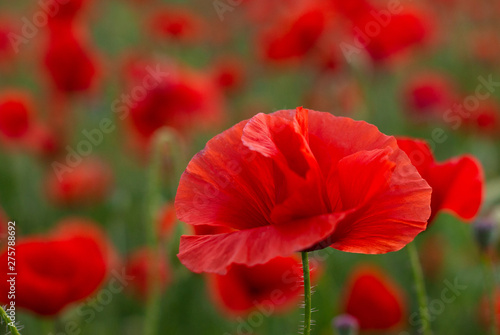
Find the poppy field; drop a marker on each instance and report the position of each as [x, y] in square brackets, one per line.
[237, 167]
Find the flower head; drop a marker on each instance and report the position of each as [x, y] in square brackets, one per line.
[457, 184]
[298, 180]
[374, 300]
[59, 269]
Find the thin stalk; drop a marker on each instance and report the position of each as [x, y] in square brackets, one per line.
[418, 277]
[307, 293]
[9, 322]
[489, 275]
[153, 200]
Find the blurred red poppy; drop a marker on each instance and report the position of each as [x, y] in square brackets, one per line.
[402, 31]
[166, 220]
[182, 99]
[274, 286]
[352, 9]
[87, 183]
[429, 94]
[141, 266]
[485, 119]
[177, 24]
[70, 63]
[42, 141]
[294, 36]
[457, 184]
[64, 12]
[298, 180]
[485, 46]
[229, 73]
[432, 255]
[374, 299]
[7, 50]
[16, 114]
[58, 269]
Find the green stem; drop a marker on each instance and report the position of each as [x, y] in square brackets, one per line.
[10, 324]
[153, 200]
[489, 275]
[418, 277]
[307, 293]
[48, 326]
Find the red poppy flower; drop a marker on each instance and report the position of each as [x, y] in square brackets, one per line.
[274, 286]
[181, 99]
[141, 265]
[229, 73]
[374, 300]
[432, 255]
[294, 36]
[485, 119]
[484, 310]
[64, 12]
[16, 114]
[177, 24]
[88, 183]
[405, 30]
[6, 47]
[59, 269]
[485, 46]
[70, 64]
[298, 180]
[352, 9]
[166, 220]
[457, 184]
[429, 94]
[42, 141]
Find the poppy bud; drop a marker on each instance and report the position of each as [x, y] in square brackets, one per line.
[484, 230]
[345, 324]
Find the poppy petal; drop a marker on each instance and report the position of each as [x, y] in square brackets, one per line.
[226, 184]
[297, 176]
[457, 183]
[215, 253]
[397, 211]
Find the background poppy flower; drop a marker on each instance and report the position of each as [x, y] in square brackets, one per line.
[141, 266]
[58, 269]
[88, 183]
[374, 299]
[294, 36]
[69, 62]
[429, 94]
[457, 184]
[166, 220]
[42, 141]
[65, 11]
[432, 253]
[7, 27]
[229, 73]
[407, 29]
[273, 286]
[177, 24]
[485, 119]
[16, 114]
[181, 99]
[298, 180]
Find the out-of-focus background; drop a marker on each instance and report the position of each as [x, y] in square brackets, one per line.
[85, 85]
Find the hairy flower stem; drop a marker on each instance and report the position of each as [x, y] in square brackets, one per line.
[418, 277]
[489, 275]
[162, 138]
[307, 293]
[7, 320]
